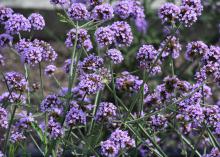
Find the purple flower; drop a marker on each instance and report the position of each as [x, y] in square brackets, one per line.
[17, 23]
[158, 122]
[91, 83]
[102, 12]
[212, 115]
[138, 10]
[37, 21]
[123, 8]
[196, 5]
[54, 129]
[17, 136]
[12, 98]
[75, 117]
[83, 39]
[66, 66]
[196, 49]
[146, 56]
[52, 104]
[106, 111]
[131, 83]
[194, 113]
[22, 45]
[187, 16]
[49, 70]
[213, 55]
[3, 118]
[169, 13]
[104, 36]
[77, 11]
[32, 55]
[109, 148]
[91, 63]
[25, 120]
[123, 33]
[115, 55]
[173, 47]
[214, 153]
[16, 81]
[152, 100]
[95, 2]
[5, 39]
[5, 14]
[122, 139]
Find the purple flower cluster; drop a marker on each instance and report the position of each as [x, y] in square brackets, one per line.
[5, 14]
[119, 140]
[115, 56]
[82, 36]
[169, 13]
[104, 36]
[106, 112]
[196, 49]
[187, 13]
[214, 153]
[54, 129]
[170, 46]
[158, 122]
[16, 81]
[12, 98]
[3, 118]
[17, 136]
[102, 12]
[25, 120]
[49, 70]
[131, 83]
[37, 21]
[78, 11]
[146, 56]
[17, 23]
[75, 116]
[35, 52]
[52, 104]
[91, 63]
[91, 83]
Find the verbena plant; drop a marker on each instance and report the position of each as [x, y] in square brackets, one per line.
[111, 105]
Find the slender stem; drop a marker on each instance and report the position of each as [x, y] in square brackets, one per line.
[28, 91]
[94, 111]
[41, 81]
[38, 147]
[9, 128]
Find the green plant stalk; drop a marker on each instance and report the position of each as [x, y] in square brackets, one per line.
[9, 129]
[94, 111]
[146, 133]
[28, 91]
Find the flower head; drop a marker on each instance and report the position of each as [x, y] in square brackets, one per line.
[169, 13]
[5, 39]
[106, 111]
[3, 118]
[5, 13]
[37, 21]
[115, 55]
[104, 36]
[77, 11]
[49, 70]
[75, 117]
[102, 12]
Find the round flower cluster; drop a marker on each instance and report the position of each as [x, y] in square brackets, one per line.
[169, 13]
[49, 70]
[54, 129]
[75, 116]
[17, 136]
[119, 140]
[104, 36]
[91, 83]
[123, 9]
[196, 49]
[131, 83]
[25, 120]
[115, 56]
[82, 36]
[158, 122]
[37, 21]
[102, 12]
[91, 63]
[16, 81]
[146, 57]
[77, 11]
[17, 23]
[52, 104]
[123, 33]
[35, 52]
[170, 46]
[187, 13]
[5, 13]
[106, 111]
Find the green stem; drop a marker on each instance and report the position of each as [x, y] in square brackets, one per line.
[9, 129]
